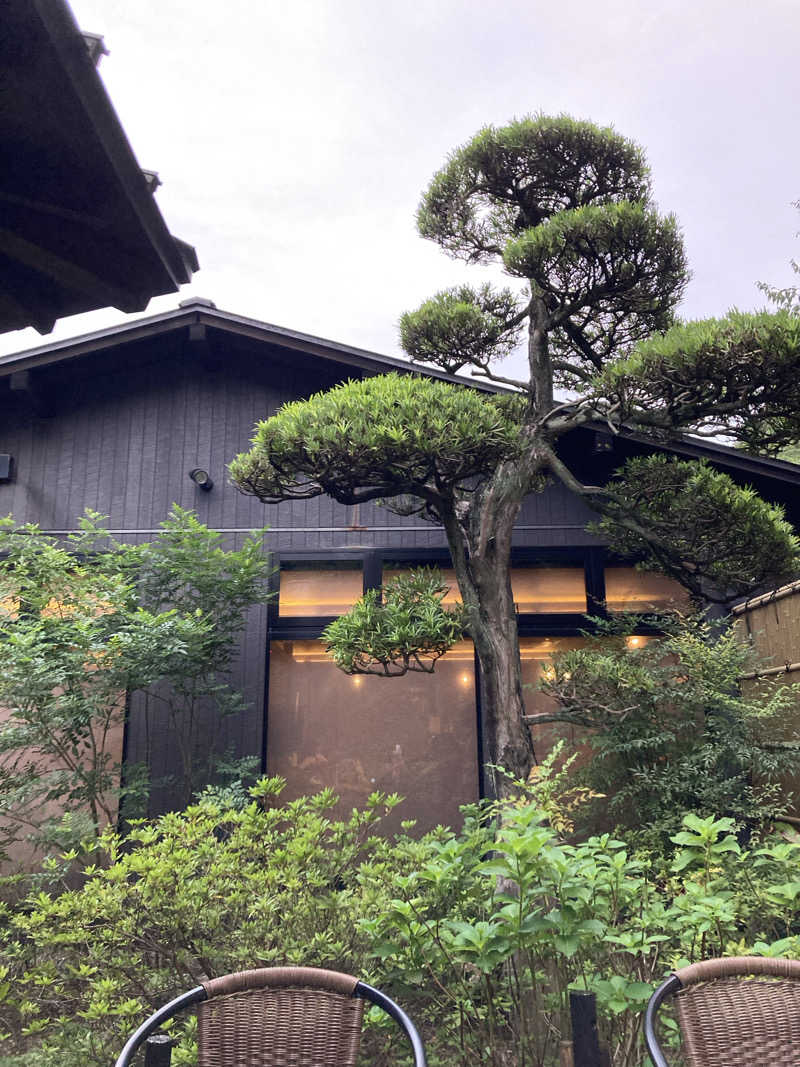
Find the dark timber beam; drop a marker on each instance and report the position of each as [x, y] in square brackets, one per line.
[69, 274]
[40, 207]
[25, 384]
[24, 314]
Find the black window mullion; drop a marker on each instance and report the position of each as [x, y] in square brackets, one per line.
[373, 570]
[595, 581]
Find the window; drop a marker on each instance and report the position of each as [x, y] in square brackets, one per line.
[629, 589]
[535, 588]
[319, 587]
[536, 654]
[415, 735]
[549, 589]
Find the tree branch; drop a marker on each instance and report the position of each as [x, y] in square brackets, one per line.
[565, 475]
[485, 371]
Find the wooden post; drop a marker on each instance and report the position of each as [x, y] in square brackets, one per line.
[158, 1051]
[586, 1048]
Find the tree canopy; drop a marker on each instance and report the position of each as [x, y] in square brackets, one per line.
[564, 207]
[380, 437]
[666, 513]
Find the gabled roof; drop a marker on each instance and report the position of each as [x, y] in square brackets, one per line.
[200, 312]
[79, 228]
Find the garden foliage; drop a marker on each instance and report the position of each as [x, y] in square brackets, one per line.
[86, 621]
[480, 934]
[667, 511]
[670, 729]
[405, 624]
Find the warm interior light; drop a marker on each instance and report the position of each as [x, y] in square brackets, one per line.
[629, 589]
[310, 591]
[9, 607]
[551, 590]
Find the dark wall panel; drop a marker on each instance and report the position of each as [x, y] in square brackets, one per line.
[121, 433]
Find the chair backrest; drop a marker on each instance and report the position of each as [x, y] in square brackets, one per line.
[275, 1016]
[744, 1010]
[295, 1015]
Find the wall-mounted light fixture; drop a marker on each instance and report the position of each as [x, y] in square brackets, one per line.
[202, 479]
[6, 467]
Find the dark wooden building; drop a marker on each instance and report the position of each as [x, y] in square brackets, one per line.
[116, 420]
[79, 225]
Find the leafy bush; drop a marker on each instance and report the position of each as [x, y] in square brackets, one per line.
[670, 729]
[86, 620]
[488, 970]
[479, 934]
[402, 627]
[192, 894]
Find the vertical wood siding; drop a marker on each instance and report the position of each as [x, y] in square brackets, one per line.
[125, 428]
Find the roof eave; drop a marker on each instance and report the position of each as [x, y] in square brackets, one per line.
[179, 259]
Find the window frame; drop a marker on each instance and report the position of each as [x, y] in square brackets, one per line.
[593, 559]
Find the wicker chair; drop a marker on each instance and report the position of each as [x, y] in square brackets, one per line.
[277, 1016]
[733, 1012]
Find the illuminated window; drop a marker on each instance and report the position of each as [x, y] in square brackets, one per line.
[629, 589]
[66, 607]
[536, 654]
[393, 570]
[535, 588]
[414, 735]
[9, 607]
[319, 588]
[549, 589]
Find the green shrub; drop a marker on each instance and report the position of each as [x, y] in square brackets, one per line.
[479, 934]
[85, 620]
[202, 892]
[670, 729]
[488, 970]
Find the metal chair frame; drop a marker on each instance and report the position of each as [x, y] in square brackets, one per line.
[256, 979]
[666, 989]
[707, 971]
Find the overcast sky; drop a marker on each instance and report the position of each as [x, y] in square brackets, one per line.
[294, 139]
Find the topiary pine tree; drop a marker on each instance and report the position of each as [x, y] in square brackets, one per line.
[565, 206]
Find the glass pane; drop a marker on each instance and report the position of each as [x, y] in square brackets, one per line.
[414, 735]
[535, 589]
[628, 589]
[391, 570]
[319, 588]
[549, 589]
[536, 653]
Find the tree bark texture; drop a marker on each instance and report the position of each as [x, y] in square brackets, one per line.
[481, 553]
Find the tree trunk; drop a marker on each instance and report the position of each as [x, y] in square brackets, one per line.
[496, 640]
[481, 559]
[480, 538]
